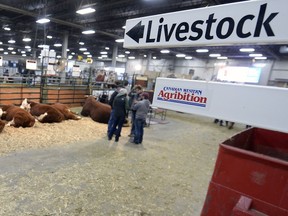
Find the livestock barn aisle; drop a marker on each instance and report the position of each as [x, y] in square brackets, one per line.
[72, 169]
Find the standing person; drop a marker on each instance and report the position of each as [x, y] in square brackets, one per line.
[113, 96]
[134, 97]
[142, 109]
[120, 107]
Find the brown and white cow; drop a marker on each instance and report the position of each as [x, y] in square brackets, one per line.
[98, 111]
[68, 114]
[43, 112]
[2, 123]
[16, 116]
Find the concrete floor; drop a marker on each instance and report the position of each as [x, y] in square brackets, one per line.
[168, 175]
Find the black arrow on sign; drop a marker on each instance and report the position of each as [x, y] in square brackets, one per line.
[136, 32]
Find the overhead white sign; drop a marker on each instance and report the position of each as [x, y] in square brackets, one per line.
[264, 107]
[259, 21]
[31, 64]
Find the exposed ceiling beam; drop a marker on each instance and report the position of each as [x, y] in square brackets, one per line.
[58, 21]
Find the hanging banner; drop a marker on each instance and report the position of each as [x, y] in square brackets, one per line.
[31, 64]
[259, 21]
[264, 107]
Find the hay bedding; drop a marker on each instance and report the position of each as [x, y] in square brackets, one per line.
[168, 175]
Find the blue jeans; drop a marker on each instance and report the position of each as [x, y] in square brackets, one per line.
[133, 116]
[139, 130]
[111, 121]
[117, 127]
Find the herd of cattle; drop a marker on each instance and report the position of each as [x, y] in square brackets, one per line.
[29, 112]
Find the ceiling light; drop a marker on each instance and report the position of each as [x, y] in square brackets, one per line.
[73, 53]
[27, 47]
[255, 55]
[58, 56]
[23, 51]
[89, 56]
[57, 44]
[23, 55]
[188, 57]
[247, 50]
[260, 58]
[180, 55]
[5, 53]
[145, 56]
[107, 48]
[99, 57]
[104, 56]
[222, 57]
[11, 41]
[10, 48]
[103, 53]
[121, 56]
[120, 40]
[83, 49]
[90, 31]
[165, 51]
[202, 50]
[43, 20]
[214, 55]
[1, 42]
[26, 39]
[124, 27]
[13, 52]
[49, 37]
[127, 52]
[86, 53]
[1, 49]
[154, 57]
[67, 50]
[81, 43]
[131, 57]
[6, 28]
[85, 10]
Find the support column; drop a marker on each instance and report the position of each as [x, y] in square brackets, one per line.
[64, 55]
[114, 55]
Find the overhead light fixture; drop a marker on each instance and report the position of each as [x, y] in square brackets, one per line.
[260, 58]
[49, 37]
[85, 10]
[57, 44]
[131, 57]
[121, 56]
[222, 57]
[120, 40]
[188, 57]
[89, 56]
[1, 42]
[247, 50]
[1, 49]
[214, 55]
[86, 53]
[10, 48]
[26, 39]
[11, 41]
[107, 48]
[103, 53]
[154, 57]
[255, 55]
[202, 50]
[13, 52]
[124, 27]
[43, 20]
[104, 56]
[127, 52]
[180, 55]
[81, 43]
[90, 31]
[165, 51]
[6, 28]
[27, 47]
[83, 49]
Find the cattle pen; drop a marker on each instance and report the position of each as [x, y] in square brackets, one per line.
[49, 90]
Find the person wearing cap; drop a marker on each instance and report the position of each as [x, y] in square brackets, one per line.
[120, 107]
[142, 109]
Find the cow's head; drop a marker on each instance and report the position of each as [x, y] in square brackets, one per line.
[25, 105]
[2, 112]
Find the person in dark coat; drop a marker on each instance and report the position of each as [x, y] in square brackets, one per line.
[120, 107]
